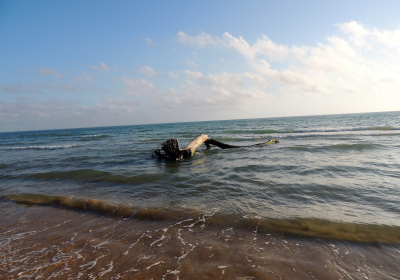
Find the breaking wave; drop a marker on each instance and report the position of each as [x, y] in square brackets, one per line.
[316, 228]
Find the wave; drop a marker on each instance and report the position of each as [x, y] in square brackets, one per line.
[317, 228]
[257, 131]
[38, 134]
[11, 144]
[314, 228]
[93, 137]
[3, 165]
[42, 147]
[152, 140]
[351, 146]
[80, 174]
[97, 176]
[343, 147]
[100, 206]
[346, 136]
[385, 128]
[320, 130]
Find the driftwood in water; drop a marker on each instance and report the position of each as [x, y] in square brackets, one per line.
[170, 148]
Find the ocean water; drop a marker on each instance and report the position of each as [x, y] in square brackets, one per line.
[93, 203]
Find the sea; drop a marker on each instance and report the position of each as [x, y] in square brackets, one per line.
[94, 203]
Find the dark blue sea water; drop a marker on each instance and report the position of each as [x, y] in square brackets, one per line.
[332, 182]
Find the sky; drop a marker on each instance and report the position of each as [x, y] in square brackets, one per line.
[70, 64]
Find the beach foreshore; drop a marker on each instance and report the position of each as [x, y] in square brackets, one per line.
[53, 242]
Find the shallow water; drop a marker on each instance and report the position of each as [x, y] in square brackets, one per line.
[42, 242]
[94, 203]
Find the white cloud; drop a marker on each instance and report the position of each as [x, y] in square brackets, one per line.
[191, 63]
[50, 88]
[356, 31]
[18, 88]
[224, 79]
[38, 88]
[61, 113]
[101, 67]
[121, 102]
[200, 40]
[12, 112]
[174, 74]
[213, 96]
[148, 71]
[388, 38]
[200, 91]
[360, 35]
[50, 72]
[137, 87]
[149, 40]
[363, 61]
[87, 77]
[264, 46]
[80, 79]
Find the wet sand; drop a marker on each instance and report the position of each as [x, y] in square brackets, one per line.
[44, 242]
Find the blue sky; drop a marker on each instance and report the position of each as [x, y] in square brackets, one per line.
[66, 64]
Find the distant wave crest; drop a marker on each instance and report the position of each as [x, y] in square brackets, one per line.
[94, 137]
[42, 147]
[271, 131]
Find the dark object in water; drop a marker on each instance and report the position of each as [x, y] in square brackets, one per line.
[170, 148]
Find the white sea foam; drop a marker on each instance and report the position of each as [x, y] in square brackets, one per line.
[108, 270]
[160, 239]
[91, 264]
[43, 147]
[154, 264]
[95, 136]
[133, 244]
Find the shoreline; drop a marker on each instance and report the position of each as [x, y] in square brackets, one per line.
[47, 241]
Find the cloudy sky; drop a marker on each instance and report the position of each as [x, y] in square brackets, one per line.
[67, 64]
